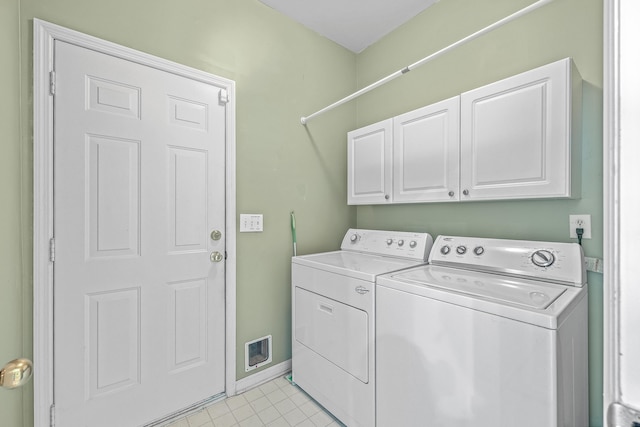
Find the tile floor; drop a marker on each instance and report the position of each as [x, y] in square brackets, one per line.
[276, 403]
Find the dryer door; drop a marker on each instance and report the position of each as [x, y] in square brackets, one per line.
[336, 331]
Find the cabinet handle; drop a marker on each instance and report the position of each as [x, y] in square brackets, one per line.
[386, 197]
[465, 192]
[451, 194]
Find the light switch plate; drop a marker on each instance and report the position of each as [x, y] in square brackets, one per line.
[251, 223]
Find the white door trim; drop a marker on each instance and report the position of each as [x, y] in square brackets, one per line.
[621, 208]
[45, 34]
[611, 95]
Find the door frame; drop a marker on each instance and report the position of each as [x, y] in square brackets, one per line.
[621, 200]
[611, 175]
[45, 34]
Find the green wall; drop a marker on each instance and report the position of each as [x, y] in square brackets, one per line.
[282, 71]
[14, 328]
[564, 28]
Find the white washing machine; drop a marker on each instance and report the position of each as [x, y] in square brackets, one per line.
[492, 333]
[333, 315]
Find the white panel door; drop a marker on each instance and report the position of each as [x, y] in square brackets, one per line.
[139, 184]
[426, 149]
[369, 160]
[628, 289]
[516, 136]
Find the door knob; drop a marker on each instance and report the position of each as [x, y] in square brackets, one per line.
[16, 373]
[216, 256]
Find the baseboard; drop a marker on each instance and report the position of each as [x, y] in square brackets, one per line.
[263, 376]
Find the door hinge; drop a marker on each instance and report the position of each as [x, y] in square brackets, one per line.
[52, 415]
[52, 249]
[225, 254]
[223, 96]
[52, 82]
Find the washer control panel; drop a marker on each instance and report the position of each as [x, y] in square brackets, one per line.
[548, 261]
[403, 244]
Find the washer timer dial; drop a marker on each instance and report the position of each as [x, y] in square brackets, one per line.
[543, 258]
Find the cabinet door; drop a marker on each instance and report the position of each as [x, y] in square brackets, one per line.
[426, 145]
[369, 164]
[517, 137]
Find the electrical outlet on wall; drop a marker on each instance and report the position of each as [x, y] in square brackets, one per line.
[580, 221]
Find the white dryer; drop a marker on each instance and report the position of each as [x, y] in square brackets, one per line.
[333, 314]
[492, 333]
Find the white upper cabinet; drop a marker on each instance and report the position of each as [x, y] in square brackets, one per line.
[369, 164]
[426, 153]
[521, 136]
[518, 138]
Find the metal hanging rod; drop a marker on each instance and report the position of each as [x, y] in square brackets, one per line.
[423, 61]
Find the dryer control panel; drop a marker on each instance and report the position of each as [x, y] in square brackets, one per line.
[401, 244]
[547, 261]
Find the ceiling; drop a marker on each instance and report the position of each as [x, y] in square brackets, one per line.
[354, 24]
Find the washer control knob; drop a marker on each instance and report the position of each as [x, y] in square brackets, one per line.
[354, 238]
[400, 242]
[413, 244]
[478, 250]
[543, 258]
[445, 250]
[461, 250]
[389, 242]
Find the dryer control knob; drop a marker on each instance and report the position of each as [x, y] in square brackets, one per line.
[543, 258]
[389, 242]
[400, 242]
[445, 250]
[478, 250]
[461, 250]
[354, 238]
[413, 244]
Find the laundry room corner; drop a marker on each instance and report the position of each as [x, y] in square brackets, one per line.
[283, 167]
[568, 28]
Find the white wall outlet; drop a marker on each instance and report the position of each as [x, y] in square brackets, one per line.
[580, 221]
[251, 223]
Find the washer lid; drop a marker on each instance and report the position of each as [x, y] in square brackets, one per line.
[501, 289]
[354, 264]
